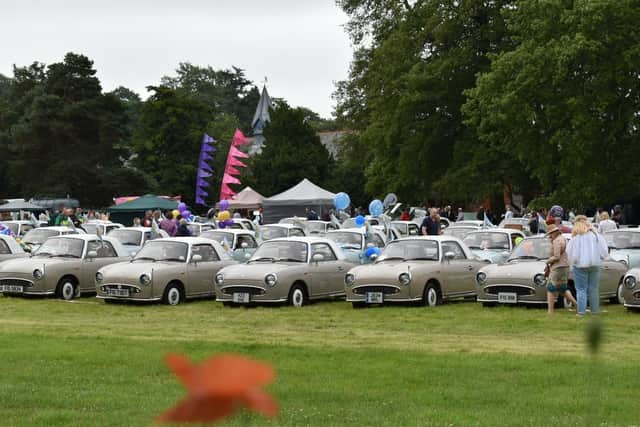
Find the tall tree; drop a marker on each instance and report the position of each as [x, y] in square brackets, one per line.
[293, 151]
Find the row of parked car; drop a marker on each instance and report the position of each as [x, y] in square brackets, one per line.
[365, 265]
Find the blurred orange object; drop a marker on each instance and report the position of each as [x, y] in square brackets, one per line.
[218, 387]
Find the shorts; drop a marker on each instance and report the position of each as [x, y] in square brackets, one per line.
[558, 279]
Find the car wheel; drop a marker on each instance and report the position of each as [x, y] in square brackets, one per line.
[431, 295]
[67, 290]
[298, 296]
[619, 298]
[172, 295]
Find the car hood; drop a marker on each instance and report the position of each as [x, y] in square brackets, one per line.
[632, 256]
[28, 264]
[258, 269]
[135, 269]
[493, 255]
[514, 269]
[390, 269]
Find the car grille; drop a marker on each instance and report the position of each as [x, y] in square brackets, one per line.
[520, 290]
[16, 282]
[385, 289]
[132, 288]
[636, 295]
[230, 290]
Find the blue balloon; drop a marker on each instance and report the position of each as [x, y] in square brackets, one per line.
[341, 201]
[372, 251]
[359, 220]
[376, 207]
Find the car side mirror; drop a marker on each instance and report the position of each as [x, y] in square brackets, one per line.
[92, 254]
[196, 258]
[449, 256]
[317, 257]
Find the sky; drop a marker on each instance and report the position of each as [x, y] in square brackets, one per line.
[300, 46]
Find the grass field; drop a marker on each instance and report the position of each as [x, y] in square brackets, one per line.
[85, 363]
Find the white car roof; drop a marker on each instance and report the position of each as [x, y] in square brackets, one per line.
[120, 251]
[283, 225]
[310, 240]
[14, 247]
[496, 230]
[60, 228]
[243, 231]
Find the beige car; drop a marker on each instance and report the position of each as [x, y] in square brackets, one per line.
[294, 270]
[520, 279]
[64, 266]
[427, 269]
[631, 290]
[168, 270]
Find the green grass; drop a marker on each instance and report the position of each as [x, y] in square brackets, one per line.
[87, 363]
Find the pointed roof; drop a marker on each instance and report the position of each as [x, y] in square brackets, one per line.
[303, 192]
[248, 198]
[261, 116]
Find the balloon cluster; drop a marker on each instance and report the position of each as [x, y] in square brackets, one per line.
[224, 216]
[182, 211]
[225, 223]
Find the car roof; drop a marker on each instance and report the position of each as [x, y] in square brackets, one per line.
[634, 230]
[141, 229]
[497, 230]
[282, 225]
[438, 238]
[186, 239]
[58, 228]
[302, 239]
[230, 230]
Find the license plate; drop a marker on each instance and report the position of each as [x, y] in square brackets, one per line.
[118, 292]
[507, 297]
[241, 297]
[11, 288]
[373, 297]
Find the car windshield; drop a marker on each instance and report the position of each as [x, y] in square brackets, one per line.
[315, 227]
[219, 236]
[281, 251]
[346, 240]
[62, 247]
[623, 239]
[401, 227]
[459, 232]
[410, 250]
[163, 251]
[538, 248]
[39, 235]
[487, 240]
[90, 228]
[127, 237]
[269, 233]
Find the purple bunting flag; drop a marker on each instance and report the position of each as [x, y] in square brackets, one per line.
[204, 170]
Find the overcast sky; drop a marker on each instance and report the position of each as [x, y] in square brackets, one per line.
[299, 45]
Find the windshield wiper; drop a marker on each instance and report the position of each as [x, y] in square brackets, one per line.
[350, 246]
[67, 255]
[49, 254]
[474, 247]
[525, 257]
[144, 258]
[423, 258]
[288, 259]
[172, 259]
[263, 259]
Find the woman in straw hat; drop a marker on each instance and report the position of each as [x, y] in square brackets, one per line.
[558, 267]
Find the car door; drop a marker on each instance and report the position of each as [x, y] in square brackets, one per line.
[328, 274]
[458, 271]
[105, 255]
[200, 274]
[610, 273]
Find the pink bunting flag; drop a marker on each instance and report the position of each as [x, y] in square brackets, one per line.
[225, 190]
[228, 179]
[239, 138]
[233, 151]
[232, 161]
[231, 170]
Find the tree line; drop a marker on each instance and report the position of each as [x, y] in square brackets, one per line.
[60, 134]
[466, 100]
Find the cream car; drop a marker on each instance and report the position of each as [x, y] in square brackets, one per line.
[36, 237]
[168, 270]
[240, 244]
[294, 270]
[63, 265]
[275, 231]
[427, 269]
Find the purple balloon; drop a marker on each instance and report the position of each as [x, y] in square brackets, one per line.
[224, 205]
[182, 206]
[221, 224]
[228, 222]
[185, 214]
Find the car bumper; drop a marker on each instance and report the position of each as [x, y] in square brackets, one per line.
[512, 293]
[257, 294]
[390, 293]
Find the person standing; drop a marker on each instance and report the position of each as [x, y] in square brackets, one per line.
[606, 223]
[509, 213]
[558, 268]
[586, 250]
[183, 229]
[431, 224]
[168, 224]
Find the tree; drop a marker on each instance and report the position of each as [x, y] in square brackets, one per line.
[293, 151]
[562, 106]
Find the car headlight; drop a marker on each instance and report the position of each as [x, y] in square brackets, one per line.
[404, 278]
[38, 274]
[145, 279]
[481, 278]
[99, 277]
[539, 279]
[219, 279]
[270, 279]
[630, 282]
[349, 279]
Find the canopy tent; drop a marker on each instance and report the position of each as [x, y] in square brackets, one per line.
[20, 205]
[296, 200]
[125, 212]
[248, 198]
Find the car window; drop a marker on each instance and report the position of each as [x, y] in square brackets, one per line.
[207, 252]
[413, 230]
[147, 236]
[104, 249]
[323, 249]
[376, 240]
[455, 248]
[250, 241]
[111, 227]
[296, 232]
[4, 248]
[25, 228]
